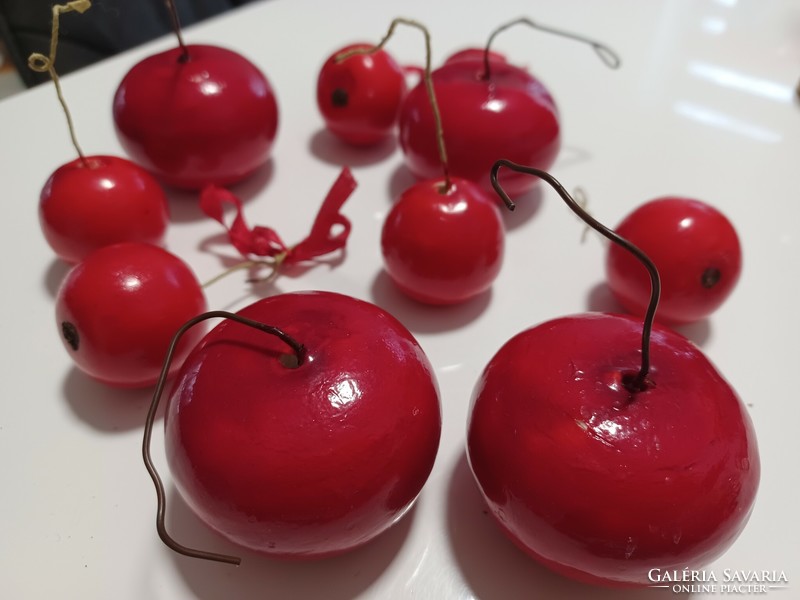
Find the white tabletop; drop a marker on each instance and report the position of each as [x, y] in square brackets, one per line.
[703, 106]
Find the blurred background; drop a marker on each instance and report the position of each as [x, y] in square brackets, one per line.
[111, 26]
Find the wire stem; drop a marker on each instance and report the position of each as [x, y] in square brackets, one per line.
[427, 78]
[300, 353]
[46, 64]
[176, 28]
[639, 383]
[606, 54]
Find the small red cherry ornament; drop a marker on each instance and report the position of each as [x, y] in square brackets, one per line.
[118, 309]
[696, 250]
[94, 201]
[305, 456]
[443, 246]
[97, 201]
[359, 97]
[196, 115]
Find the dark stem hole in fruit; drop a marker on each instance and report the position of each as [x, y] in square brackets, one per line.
[711, 277]
[70, 333]
[339, 98]
[634, 384]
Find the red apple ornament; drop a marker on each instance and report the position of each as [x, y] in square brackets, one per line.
[308, 442]
[196, 115]
[489, 108]
[603, 459]
[696, 250]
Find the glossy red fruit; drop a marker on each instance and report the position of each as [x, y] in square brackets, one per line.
[509, 115]
[696, 250]
[443, 248]
[211, 119]
[118, 309]
[472, 54]
[596, 482]
[359, 98]
[103, 200]
[308, 461]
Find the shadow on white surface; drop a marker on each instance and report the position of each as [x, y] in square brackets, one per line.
[54, 275]
[495, 569]
[600, 299]
[570, 156]
[329, 149]
[699, 332]
[399, 181]
[527, 205]
[424, 318]
[184, 205]
[337, 578]
[104, 408]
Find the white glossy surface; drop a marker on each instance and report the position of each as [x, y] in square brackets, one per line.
[703, 106]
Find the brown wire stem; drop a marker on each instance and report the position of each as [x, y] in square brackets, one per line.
[427, 78]
[176, 27]
[639, 383]
[606, 54]
[299, 351]
[46, 64]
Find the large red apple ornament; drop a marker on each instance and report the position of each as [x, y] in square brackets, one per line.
[196, 115]
[97, 200]
[442, 242]
[293, 444]
[604, 460]
[489, 108]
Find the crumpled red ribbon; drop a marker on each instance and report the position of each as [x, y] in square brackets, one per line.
[264, 241]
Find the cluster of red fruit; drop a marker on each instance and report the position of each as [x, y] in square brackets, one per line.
[281, 431]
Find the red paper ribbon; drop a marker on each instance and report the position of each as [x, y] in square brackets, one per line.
[264, 241]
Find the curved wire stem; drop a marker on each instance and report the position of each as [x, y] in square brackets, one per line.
[47, 64]
[299, 352]
[639, 383]
[427, 78]
[610, 58]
